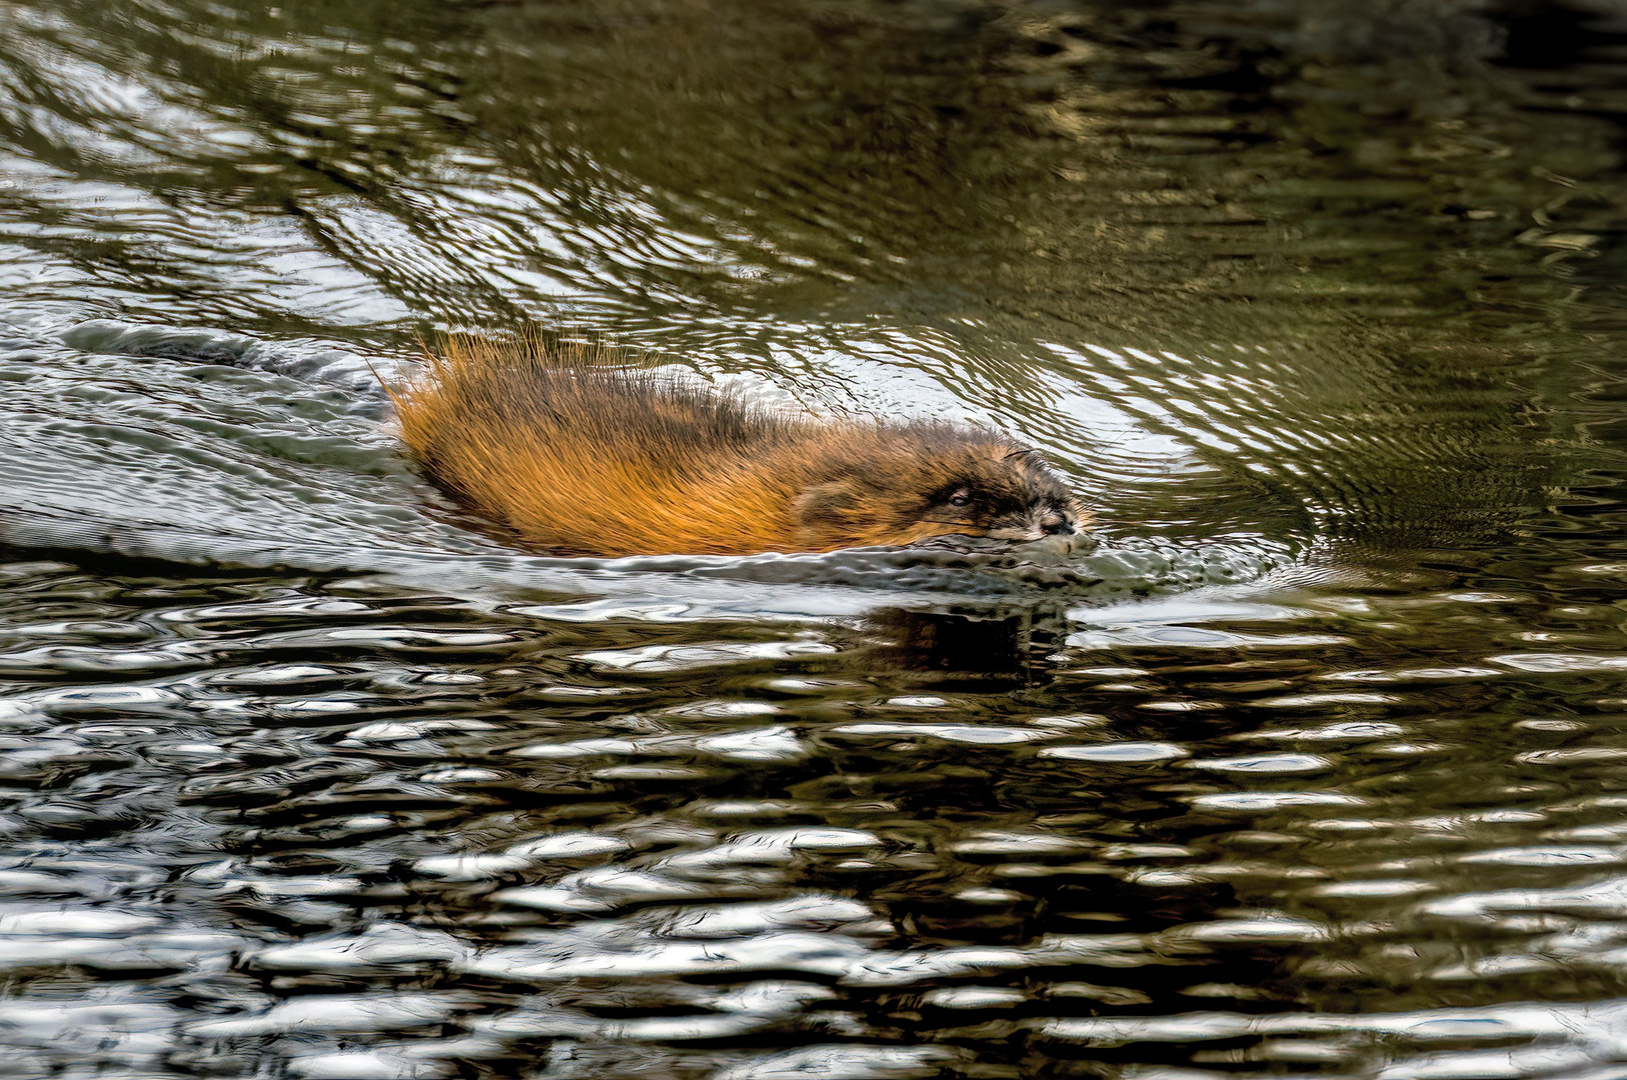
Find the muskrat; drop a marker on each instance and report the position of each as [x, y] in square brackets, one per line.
[578, 457]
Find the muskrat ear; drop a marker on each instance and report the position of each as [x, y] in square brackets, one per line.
[825, 504]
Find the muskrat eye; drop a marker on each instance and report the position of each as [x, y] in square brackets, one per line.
[960, 498]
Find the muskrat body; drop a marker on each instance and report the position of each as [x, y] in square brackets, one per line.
[580, 458]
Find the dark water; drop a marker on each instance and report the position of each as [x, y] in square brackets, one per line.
[1316, 766]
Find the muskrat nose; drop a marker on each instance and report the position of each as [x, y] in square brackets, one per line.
[1056, 525]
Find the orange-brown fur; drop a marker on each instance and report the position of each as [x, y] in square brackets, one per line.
[581, 458]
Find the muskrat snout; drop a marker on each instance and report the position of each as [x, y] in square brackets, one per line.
[1057, 524]
[1056, 515]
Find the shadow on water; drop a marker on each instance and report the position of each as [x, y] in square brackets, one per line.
[1312, 767]
[1013, 645]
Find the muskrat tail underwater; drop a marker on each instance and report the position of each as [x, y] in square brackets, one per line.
[582, 454]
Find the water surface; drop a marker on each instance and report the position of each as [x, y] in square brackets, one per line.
[1314, 766]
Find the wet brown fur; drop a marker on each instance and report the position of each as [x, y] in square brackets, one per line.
[581, 458]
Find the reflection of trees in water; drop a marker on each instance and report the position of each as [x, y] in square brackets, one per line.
[1115, 166]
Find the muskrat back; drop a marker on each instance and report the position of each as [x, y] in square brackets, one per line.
[582, 458]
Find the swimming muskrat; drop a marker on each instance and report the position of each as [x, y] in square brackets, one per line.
[580, 458]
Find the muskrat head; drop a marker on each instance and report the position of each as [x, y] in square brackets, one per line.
[924, 481]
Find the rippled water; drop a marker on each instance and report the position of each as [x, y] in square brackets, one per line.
[1315, 766]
